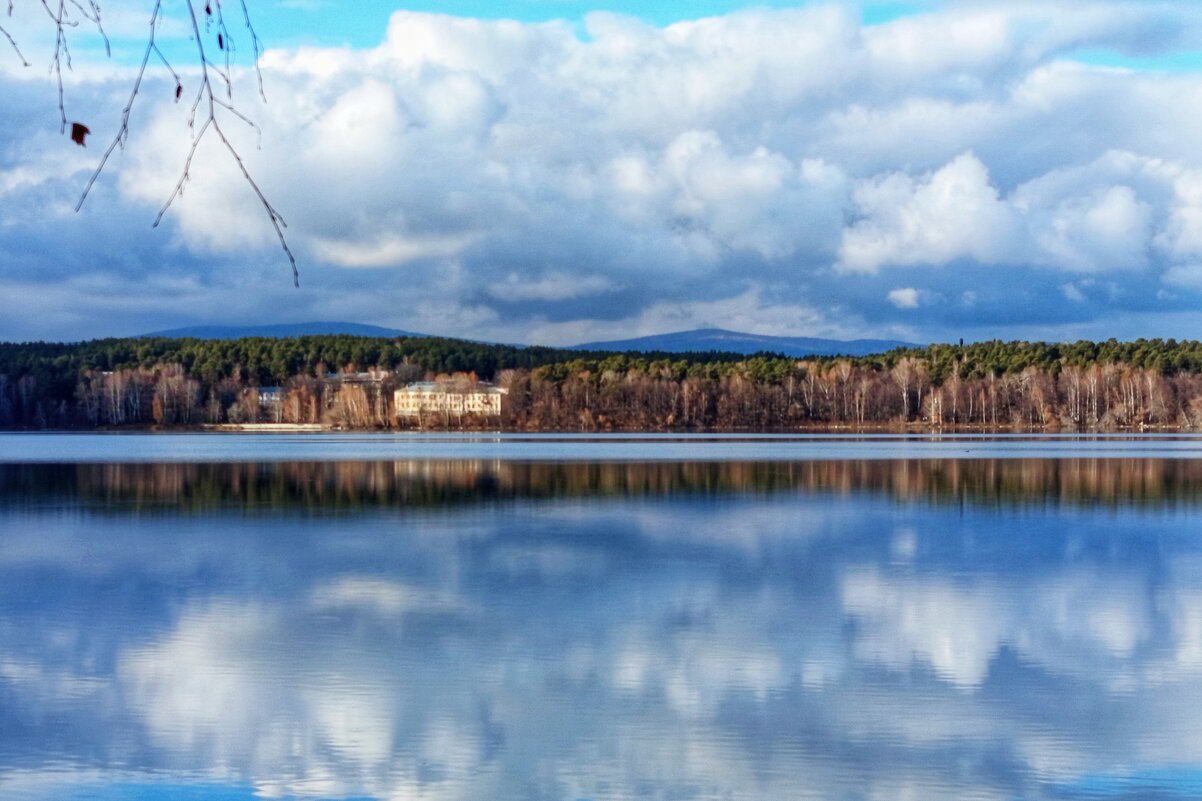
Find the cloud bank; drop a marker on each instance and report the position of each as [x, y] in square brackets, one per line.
[957, 172]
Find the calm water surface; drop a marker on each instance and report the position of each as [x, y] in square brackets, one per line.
[841, 618]
[244, 447]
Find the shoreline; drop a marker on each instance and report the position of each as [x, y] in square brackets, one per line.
[914, 429]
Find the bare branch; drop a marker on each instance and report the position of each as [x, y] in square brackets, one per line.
[123, 130]
[61, 17]
[62, 51]
[205, 98]
[56, 64]
[257, 44]
[277, 221]
[12, 41]
[166, 63]
[224, 75]
[230, 108]
[225, 43]
[205, 106]
[200, 93]
[93, 16]
[185, 175]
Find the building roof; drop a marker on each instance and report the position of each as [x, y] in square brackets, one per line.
[431, 386]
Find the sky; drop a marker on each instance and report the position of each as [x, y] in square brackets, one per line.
[561, 171]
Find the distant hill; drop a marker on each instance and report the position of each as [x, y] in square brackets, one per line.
[716, 339]
[702, 340]
[280, 331]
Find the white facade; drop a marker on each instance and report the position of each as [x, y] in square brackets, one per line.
[483, 401]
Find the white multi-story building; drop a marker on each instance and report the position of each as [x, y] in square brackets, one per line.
[482, 400]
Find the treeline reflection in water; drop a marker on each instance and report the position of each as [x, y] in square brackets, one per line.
[359, 486]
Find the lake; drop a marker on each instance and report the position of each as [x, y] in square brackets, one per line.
[228, 617]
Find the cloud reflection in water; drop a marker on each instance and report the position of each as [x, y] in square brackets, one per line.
[979, 629]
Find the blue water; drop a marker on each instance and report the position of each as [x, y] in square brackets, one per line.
[243, 447]
[864, 627]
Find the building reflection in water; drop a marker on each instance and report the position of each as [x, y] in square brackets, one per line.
[356, 485]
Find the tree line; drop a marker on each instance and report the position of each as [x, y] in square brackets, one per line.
[348, 382]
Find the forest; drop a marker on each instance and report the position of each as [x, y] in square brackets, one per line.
[347, 382]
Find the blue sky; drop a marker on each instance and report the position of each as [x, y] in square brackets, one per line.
[557, 172]
[334, 22]
[329, 23]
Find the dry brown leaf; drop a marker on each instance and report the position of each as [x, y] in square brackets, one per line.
[78, 132]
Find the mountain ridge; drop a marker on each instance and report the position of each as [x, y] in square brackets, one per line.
[702, 340]
[279, 331]
[699, 340]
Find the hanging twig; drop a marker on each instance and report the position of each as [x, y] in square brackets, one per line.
[94, 17]
[277, 221]
[204, 107]
[61, 51]
[123, 130]
[257, 44]
[13, 42]
[206, 99]
[225, 44]
[25, 61]
[203, 114]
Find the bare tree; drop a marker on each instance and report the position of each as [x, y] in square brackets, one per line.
[212, 103]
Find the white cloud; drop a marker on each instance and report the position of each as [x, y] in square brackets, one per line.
[904, 298]
[757, 202]
[1181, 237]
[1073, 292]
[1109, 231]
[388, 252]
[1184, 276]
[952, 213]
[1081, 219]
[552, 286]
